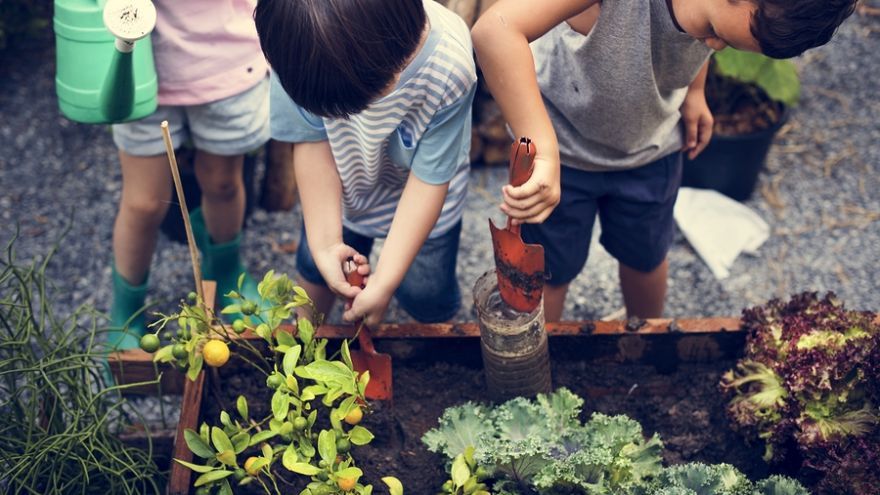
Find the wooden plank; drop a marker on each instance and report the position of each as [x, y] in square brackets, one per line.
[179, 481]
[136, 366]
[568, 328]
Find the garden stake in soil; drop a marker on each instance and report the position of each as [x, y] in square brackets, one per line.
[520, 266]
[190, 240]
[367, 359]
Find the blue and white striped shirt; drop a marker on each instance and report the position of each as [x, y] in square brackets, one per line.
[422, 127]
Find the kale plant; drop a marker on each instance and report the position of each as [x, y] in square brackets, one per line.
[541, 447]
[810, 380]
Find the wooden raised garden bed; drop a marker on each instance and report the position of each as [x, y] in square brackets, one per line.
[663, 373]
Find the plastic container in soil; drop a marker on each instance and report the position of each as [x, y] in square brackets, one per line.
[731, 164]
[663, 374]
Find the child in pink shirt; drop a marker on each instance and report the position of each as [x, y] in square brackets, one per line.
[213, 91]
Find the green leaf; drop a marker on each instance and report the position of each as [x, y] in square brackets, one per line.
[285, 339]
[360, 435]
[241, 280]
[221, 441]
[305, 330]
[225, 420]
[280, 404]
[290, 359]
[241, 441]
[345, 407]
[303, 468]
[261, 436]
[289, 458]
[363, 380]
[196, 445]
[163, 355]
[395, 487]
[225, 489]
[350, 472]
[231, 309]
[327, 445]
[267, 452]
[195, 467]
[330, 372]
[778, 78]
[260, 463]
[460, 471]
[195, 368]
[227, 457]
[346, 354]
[242, 406]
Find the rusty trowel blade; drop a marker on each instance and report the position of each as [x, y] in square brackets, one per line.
[366, 358]
[520, 269]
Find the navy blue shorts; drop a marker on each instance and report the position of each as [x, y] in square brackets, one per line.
[635, 208]
[429, 291]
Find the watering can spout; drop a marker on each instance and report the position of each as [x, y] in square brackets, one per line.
[128, 21]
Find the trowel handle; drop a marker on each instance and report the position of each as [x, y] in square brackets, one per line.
[522, 161]
[355, 278]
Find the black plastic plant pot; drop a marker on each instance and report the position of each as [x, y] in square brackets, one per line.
[731, 164]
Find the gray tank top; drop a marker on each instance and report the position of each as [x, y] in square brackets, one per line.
[614, 95]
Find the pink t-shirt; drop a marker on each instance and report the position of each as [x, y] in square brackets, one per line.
[206, 50]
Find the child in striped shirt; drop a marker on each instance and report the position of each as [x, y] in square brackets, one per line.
[376, 95]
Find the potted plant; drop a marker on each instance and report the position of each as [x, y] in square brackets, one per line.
[750, 96]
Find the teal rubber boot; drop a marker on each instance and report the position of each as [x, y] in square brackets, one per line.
[128, 322]
[222, 264]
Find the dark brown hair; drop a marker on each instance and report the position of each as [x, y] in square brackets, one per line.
[333, 57]
[787, 28]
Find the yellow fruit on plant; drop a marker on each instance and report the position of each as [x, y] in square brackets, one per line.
[345, 484]
[354, 416]
[249, 464]
[216, 353]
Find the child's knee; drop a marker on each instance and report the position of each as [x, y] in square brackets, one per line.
[147, 210]
[222, 187]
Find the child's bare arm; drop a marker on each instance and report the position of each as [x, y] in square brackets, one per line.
[696, 116]
[417, 212]
[320, 192]
[501, 39]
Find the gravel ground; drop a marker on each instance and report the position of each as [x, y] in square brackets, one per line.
[819, 194]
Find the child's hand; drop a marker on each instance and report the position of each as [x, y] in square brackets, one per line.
[698, 123]
[370, 304]
[533, 201]
[330, 262]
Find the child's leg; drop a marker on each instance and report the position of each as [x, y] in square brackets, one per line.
[146, 196]
[223, 195]
[644, 292]
[554, 301]
[566, 235]
[429, 291]
[638, 229]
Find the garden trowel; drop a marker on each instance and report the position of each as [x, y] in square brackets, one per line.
[519, 266]
[366, 358]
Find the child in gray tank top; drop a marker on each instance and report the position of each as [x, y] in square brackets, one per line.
[614, 91]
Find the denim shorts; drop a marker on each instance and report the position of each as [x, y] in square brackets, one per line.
[231, 126]
[635, 208]
[429, 291]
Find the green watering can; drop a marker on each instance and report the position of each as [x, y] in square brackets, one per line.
[104, 74]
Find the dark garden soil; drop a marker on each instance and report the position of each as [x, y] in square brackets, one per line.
[682, 404]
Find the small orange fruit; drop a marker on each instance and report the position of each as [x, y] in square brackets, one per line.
[354, 416]
[345, 484]
[216, 353]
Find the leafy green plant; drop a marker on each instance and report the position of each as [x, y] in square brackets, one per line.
[811, 379]
[316, 402]
[541, 447]
[58, 418]
[746, 91]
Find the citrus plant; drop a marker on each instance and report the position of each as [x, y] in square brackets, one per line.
[317, 400]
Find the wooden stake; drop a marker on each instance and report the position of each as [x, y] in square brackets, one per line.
[190, 241]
